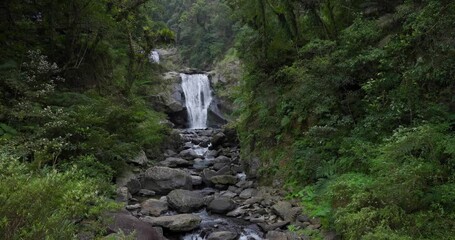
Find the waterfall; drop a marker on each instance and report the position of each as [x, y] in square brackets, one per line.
[154, 57]
[198, 97]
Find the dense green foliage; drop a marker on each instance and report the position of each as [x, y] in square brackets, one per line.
[204, 29]
[74, 77]
[352, 102]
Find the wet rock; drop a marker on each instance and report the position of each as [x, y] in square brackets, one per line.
[275, 235]
[164, 179]
[286, 211]
[248, 193]
[224, 235]
[154, 207]
[173, 162]
[185, 201]
[176, 223]
[221, 205]
[224, 179]
[125, 222]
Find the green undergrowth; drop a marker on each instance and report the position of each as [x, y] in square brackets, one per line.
[356, 114]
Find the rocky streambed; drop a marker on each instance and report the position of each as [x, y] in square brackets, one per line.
[200, 191]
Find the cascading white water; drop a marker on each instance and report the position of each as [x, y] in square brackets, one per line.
[154, 57]
[198, 97]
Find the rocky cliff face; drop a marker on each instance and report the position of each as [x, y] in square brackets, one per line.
[172, 99]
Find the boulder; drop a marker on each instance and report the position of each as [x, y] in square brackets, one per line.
[248, 193]
[222, 159]
[146, 193]
[196, 180]
[206, 175]
[217, 139]
[154, 207]
[223, 235]
[125, 222]
[273, 226]
[123, 194]
[140, 159]
[176, 223]
[185, 201]
[224, 179]
[221, 205]
[173, 162]
[286, 211]
[164, 179]
[188, 154]
[275, 235]
[129, 179]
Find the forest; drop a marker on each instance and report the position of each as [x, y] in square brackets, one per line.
[348, 105]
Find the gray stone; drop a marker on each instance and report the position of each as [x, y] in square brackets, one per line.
[237, 212]
[303, 218]
[218, 166]
[221, 205]
[286, 211]
[185, 201]
[140, 159]
[154, 207]
[188, 154]
[224, 180]
[224, 235]
[133, 207]
[164, 179]
[226, 170]
[123, 194]
[253, 200]
[128, 224]
[207, 175]
[176, 223]
[273, 226]
[175, 162]
[244, 184]
[196, 180]
[218, 139]
[146, 193]
[248, 193]
[134, 185]
[228, 194]
[275, 235]
[222, 159]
